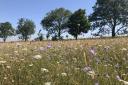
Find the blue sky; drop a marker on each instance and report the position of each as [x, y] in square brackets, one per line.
[12, 10]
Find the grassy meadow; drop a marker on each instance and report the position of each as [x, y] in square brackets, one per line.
[82, 62]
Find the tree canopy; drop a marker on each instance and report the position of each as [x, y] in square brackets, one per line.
[25, 28]
[110, 15]
[55, 21]
[78, 23]
[6, 30]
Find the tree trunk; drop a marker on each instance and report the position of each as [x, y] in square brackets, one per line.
[114, 27]
[59, 34]
[59, 29]
[76, 37]
[4, 39]
[26, 39]
[113, 31]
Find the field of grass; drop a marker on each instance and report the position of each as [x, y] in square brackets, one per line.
[82, 62]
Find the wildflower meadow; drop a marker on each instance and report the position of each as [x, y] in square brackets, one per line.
[82, 62]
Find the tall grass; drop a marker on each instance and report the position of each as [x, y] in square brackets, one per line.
[84, 62]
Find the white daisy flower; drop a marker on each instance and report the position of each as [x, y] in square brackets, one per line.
[44, 70]
[37, 57]
[2, 62]
[124, 49]
[47, 83]
[64, 74]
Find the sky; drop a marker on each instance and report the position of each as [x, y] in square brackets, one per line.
[13, 10]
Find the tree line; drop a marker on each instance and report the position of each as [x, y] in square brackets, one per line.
[109, 16]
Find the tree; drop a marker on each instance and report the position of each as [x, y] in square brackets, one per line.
[55, 21]
[67, 37]
[54, 38]
[40, 35]
[6, 30]
[78, 23]
[25, 28]
[110, 14]
[47, 35]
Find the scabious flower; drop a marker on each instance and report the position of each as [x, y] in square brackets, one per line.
[49, 45]
[93, 51]
[37, 57]
[119, 79]
[86, 69]
[117, 65]
[89, 71]
[96, 83]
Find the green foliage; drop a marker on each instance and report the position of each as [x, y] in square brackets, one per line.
[78, 23]
[55, 21]
[6, 30]
[25, 28]
[110, 15]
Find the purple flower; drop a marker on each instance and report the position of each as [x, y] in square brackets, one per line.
[118, 78]
[93, 51]
[86, 69]
[96, 83]
[49, 45]
[89, 71]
